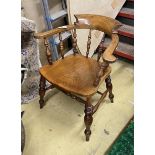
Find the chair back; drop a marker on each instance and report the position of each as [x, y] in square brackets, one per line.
[83, 21]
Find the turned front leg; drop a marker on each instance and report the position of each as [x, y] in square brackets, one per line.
[88, 119]
[42, 91]
[109, 88]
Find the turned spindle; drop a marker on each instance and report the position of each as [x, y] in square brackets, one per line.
[74, 41]
[48, 52]
[61, 46]
[103, 67]
[88, 43]
[100, 49]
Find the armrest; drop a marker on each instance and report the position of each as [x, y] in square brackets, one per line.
[108, 53]
[52, 32]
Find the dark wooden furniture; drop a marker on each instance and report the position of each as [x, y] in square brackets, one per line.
[23, 74]
[77, 74]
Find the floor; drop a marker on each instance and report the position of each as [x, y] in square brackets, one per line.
[58, 129]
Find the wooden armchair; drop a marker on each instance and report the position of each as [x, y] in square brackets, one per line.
[77, 74]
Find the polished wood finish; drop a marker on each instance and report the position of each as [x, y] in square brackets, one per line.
[100, 48]
[85, 21]
[61, 46]
[48, 52]
[109, 88]
[97, 22]
[77, 75]
[103, 69]
[74, 96]
[47, 34]
[88, 43]
[88, 119]
[74, 41]
[108, 53]
[103, 95]
[49, 87]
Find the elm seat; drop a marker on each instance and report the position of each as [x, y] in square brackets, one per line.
[75, 74]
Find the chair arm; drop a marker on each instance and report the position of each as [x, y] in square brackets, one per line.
[108, 53]
[47, 34]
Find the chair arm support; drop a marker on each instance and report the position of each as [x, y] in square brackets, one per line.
[108, 57]
[103, 67]
[47, 34]
[108, 53]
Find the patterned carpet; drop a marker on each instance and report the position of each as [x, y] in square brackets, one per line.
[124, 145]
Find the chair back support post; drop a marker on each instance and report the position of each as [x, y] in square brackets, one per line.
[48, 52]
[86, 21]
[74, 37]
[61, 46]
[103, 67]
[100, 49]
[88, 43]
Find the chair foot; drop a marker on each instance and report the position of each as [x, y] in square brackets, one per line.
[42, 103]
[111, 97]
[109, 87]
[87, 134]
[88, 119]
[42, 91]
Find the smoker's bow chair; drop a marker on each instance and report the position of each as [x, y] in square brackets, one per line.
[77, 74]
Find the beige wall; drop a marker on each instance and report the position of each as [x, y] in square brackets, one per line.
[33, 10]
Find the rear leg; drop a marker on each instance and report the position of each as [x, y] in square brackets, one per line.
[109, 88]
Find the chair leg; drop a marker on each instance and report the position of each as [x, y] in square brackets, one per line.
[88, 119]
[109, 87]
[42, 91]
